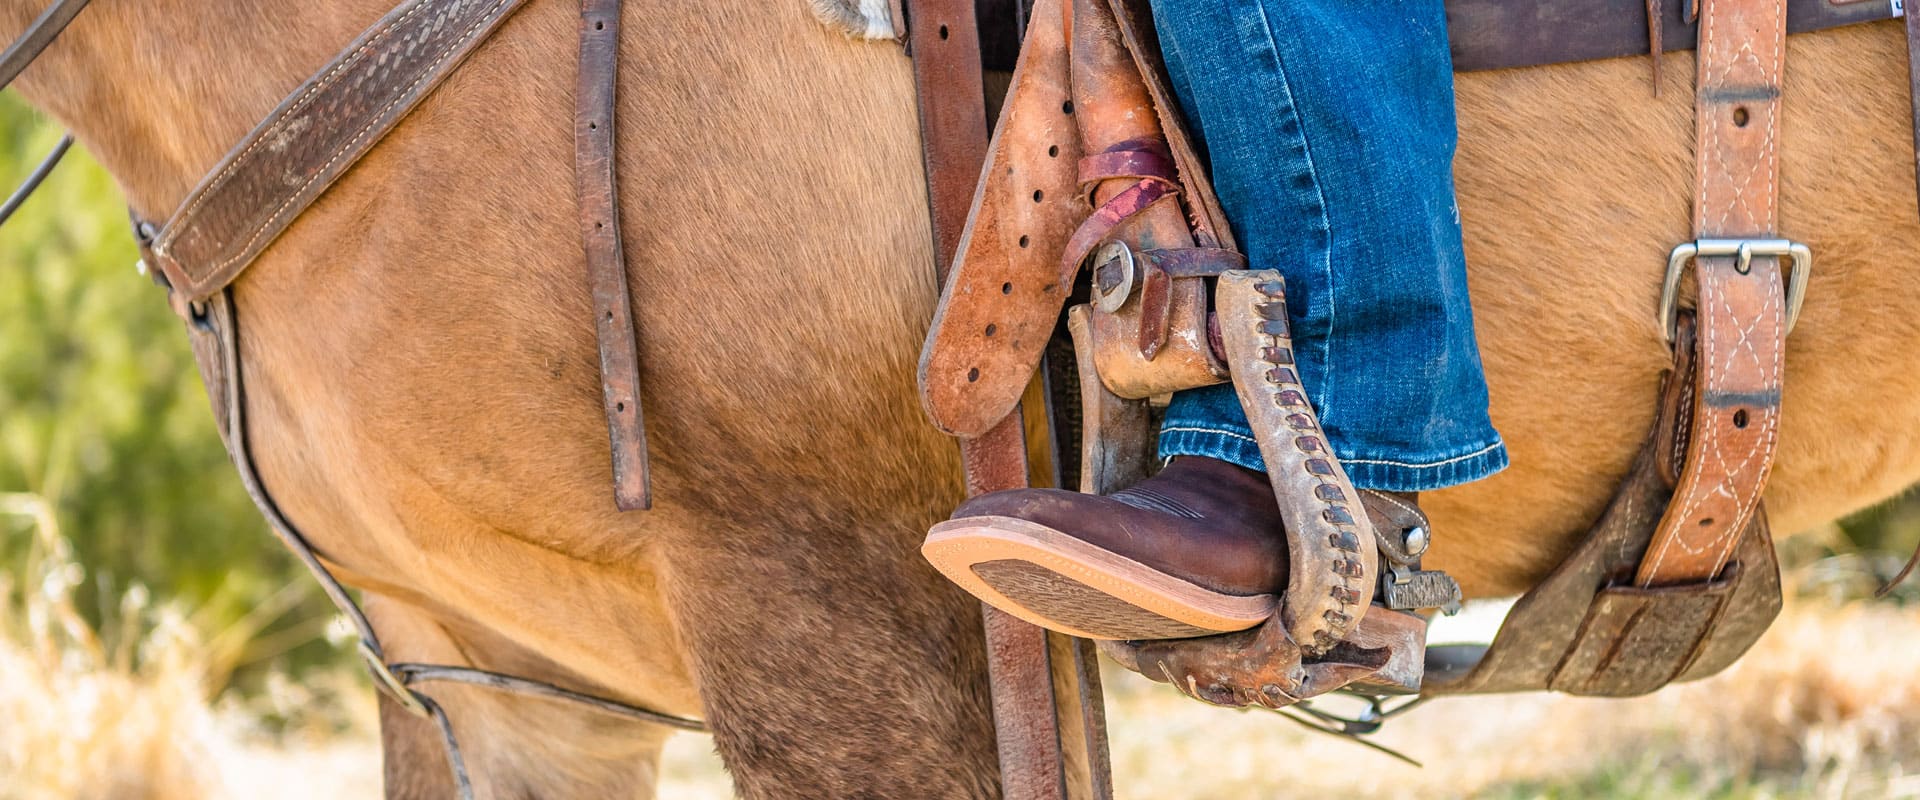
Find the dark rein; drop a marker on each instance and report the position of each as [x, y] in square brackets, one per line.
[24, 50]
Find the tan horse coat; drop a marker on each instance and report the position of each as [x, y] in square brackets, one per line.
[424, 393]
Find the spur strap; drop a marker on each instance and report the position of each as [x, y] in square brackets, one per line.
[1742, 308]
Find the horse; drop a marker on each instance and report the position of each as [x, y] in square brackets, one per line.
[424, 396]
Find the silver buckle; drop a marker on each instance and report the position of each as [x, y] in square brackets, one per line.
[1745, 250]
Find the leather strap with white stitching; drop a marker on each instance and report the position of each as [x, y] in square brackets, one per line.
[1741, 307]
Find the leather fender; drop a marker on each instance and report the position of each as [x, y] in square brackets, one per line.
[1006, 289]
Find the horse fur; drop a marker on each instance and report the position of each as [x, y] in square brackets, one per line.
[425, 402]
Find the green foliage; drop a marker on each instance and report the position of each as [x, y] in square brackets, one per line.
[101, 409]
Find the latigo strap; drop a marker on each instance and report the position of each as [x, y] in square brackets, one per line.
[1643, 603]
[1742, 305]
[1022, 660]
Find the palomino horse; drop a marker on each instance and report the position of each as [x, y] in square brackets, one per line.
[424, 394]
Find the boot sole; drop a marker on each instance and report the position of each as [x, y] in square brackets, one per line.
[1061, 583]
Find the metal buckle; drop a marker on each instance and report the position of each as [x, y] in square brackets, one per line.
[1745, 250]
[1110, 299]
[388, 683]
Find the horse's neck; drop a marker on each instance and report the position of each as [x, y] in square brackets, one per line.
[159, 90]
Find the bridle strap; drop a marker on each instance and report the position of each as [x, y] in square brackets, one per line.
[41, 33]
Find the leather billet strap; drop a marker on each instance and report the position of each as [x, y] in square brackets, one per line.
[943, 38]
[598, 189]
[1741, 306]
[316, 136]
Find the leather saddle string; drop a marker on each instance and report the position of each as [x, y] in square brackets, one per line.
[596, 173]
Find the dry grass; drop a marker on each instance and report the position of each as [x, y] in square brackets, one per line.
[1827, 706]
[128, 712]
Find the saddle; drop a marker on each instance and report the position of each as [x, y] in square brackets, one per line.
[1094, 222]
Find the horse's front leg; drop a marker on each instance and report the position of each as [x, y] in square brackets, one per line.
[833, 662]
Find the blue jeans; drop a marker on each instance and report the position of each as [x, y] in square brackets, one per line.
[1329, 129]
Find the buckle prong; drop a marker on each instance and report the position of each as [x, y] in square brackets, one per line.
[1744, 251]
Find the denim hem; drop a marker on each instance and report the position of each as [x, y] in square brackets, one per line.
[1387, 475]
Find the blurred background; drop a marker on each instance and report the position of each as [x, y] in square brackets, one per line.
[157, 642]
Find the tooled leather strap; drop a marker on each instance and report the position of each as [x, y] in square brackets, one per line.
[598, 188]
[1741, 307]
[326, 126]
[316, 136]
[1334, 563]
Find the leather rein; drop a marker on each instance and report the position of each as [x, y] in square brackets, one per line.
[24, 50]
[256, 192]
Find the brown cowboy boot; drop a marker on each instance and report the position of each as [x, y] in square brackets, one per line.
[1193, 551]
[1196, 550]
